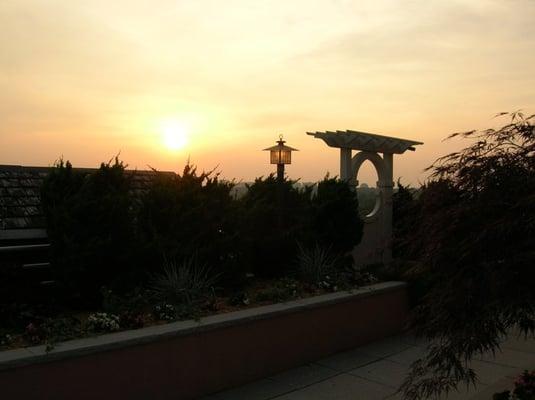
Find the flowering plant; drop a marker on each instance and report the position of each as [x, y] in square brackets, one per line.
[129, 319]
[524, 388]
[103, 322]
[34, 333]
[165, 312]
[6, 339]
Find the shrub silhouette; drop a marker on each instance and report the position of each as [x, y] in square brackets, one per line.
[90, 223]
[273, 221]
[277, 217]
[336, 222]
[103, 233]
[190, 214]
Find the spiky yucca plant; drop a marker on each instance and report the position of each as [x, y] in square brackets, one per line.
[184, 283]
[313, 264]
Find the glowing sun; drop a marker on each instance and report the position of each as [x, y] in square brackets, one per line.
[174, 135]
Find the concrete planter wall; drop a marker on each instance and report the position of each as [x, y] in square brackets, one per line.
[188, 359]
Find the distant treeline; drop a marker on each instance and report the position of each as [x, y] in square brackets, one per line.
[366, 195]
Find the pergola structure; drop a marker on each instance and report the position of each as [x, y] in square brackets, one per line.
[376, 244]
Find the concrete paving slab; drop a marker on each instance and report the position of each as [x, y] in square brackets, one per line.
[487, 392]
[341, 387]
[306, 375]
[386, 347]
[464, 393]
[511, 358]
[375, 371]
[488, 373]
[413, 340]
[348, 360]
[461, 394]
[409, 355]
[519, 343]
[263, 389]
[385, 372]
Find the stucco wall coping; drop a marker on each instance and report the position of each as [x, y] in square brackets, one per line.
[10, 359]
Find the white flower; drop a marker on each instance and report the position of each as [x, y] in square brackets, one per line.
[102, 322]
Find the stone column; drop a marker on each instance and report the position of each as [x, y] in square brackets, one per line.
[345, 164]
[387, 187]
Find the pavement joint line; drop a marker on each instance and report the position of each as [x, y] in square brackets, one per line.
[372, 380]
[385, 358]
[379, 358]
[305, 386]
[319, 364]
[519, 351]
[270, 378]
[338, 373]
[416, 342]
[528, 353]
[393, 354]
[498, 363]
[347, 370]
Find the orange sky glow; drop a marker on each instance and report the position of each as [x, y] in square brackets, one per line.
[89, 79]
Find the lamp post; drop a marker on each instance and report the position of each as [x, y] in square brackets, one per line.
[280, 155]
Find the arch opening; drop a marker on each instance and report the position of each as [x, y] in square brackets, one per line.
[367, 190]
[379, 167]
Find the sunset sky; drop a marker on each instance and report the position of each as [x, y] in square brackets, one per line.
[88, 79]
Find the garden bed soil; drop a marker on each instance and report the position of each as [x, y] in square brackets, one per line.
[46, 325]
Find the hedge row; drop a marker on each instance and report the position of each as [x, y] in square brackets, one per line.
[103, 234]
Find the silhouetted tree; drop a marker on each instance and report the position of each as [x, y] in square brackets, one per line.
[474, 240]
[277, 217]
[190, 215]
[273, 221]
[404, 211]
[90, 223]
[336, 223]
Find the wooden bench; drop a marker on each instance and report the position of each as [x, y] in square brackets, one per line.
[24, 257]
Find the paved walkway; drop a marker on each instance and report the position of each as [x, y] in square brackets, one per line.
[375, 371]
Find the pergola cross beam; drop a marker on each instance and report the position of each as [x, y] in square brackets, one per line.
[364, 141]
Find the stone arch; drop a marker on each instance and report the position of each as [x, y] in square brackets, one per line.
[376, 244]
[379, 164]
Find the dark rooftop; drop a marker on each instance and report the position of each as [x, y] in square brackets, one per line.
[20, 187]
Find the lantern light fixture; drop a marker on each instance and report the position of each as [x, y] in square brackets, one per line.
[280, 155]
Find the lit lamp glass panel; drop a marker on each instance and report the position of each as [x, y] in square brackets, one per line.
[281, 156]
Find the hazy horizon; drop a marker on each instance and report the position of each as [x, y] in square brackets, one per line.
[87, 80]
